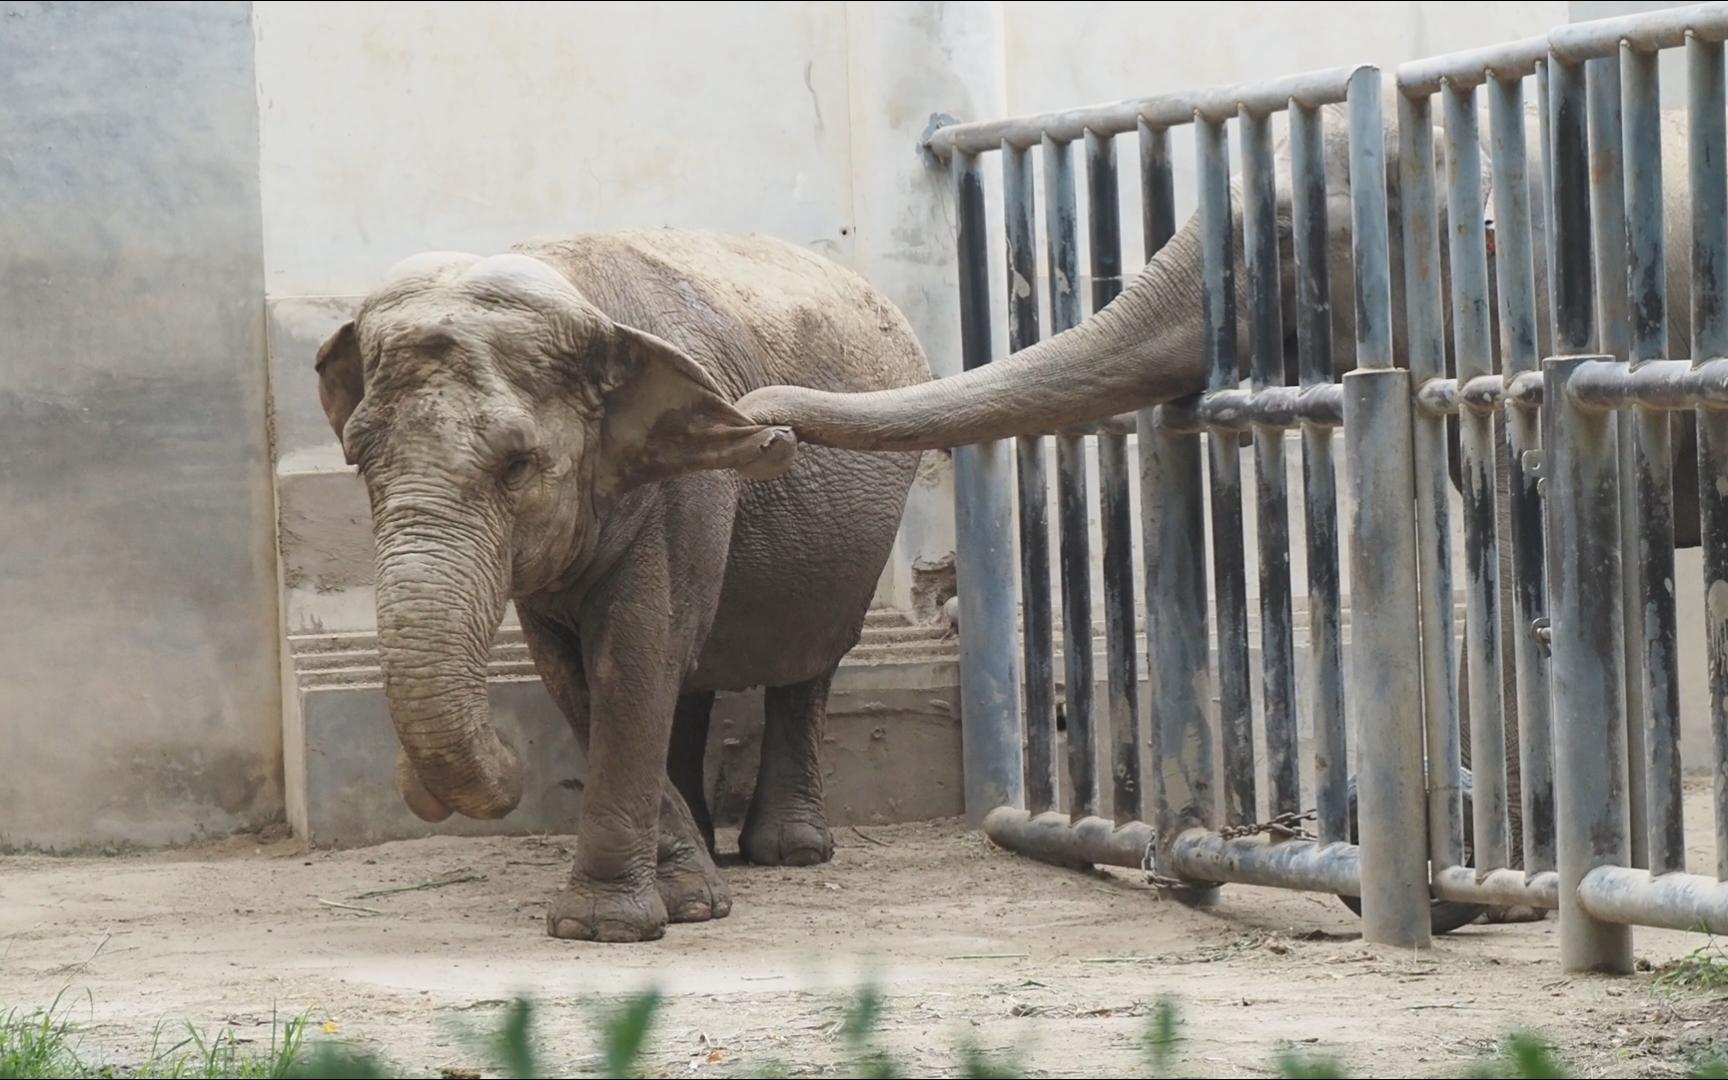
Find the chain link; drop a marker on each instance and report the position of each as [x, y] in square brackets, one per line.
[1287, 826]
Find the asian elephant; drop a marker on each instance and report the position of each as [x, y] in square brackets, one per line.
[1148, 346]
[554, 426]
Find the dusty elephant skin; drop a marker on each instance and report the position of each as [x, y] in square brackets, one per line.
[553, 426]
[1148, 346]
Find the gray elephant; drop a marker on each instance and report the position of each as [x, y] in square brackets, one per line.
[554, 426]
[1148, 346]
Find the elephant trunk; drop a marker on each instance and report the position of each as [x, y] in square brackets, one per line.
[441, 587]
[1147, 346]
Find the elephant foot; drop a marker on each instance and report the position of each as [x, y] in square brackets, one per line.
[1514, 915]
[691, 888]
[614, 911]
[786, 838]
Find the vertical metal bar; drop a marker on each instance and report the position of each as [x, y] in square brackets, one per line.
[1319, 479]
[983, 516]
[1710, 340]
[1071, 491]
[1544, 111]
[1386, 686]
[1515, 266]
[1472, 343]
[1586, 677]
[1653, 654]
[1172, 509]
[1584, 576]
[1173, 537]
[1218, 274]
[1426, 327]
[1122, 687]
[1037, 634]
[1613, 338]
[1271, 497]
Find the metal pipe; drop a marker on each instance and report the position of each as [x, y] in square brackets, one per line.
[983, 516]
[1471, 68]
[1472, 337]
[1281, 864]
[1215, 104]
[1225, 474]
[1054, 838]
[1709, 145]
[1037, 636]
[1426, 332]
[1515, 276]
[1319, 479]
[1581, 469]
[1660, 29]
[1502, 888]
[1654, 384]
[1613, 338]
[1692, 902]
[1173, 534]
[1271, 496]
[1485, 394]
[1122, 686]
[1385, 633]
[1656, 655]
[1075, 551]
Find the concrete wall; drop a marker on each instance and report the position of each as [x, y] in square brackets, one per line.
[138, 649]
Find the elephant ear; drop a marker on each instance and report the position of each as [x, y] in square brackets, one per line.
[340, 383]
[661, 416]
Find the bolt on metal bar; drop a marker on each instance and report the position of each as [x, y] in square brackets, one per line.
[1217, 103]
[1515, 277]
[1075, 541]
[1426, 332]
[1386, 687]
[1230, 582]
[1709, 147]
[1122, 686]
[1271, 495]
[1037, 632]
[1319, 475]
[1173, 539]
[983, 515]
[1472, 336]
[1613, 338]
[1655, 656]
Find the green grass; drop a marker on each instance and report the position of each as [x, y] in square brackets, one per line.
[1703, 970]
[47, 1043]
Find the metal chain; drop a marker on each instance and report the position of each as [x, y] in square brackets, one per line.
[1286, 826]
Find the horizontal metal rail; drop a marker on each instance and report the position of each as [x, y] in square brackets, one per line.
[1572, 43]
[1218, 103]
[1269, 407]
[1483, 394]
[1653, 384]
[1501, 888]
[1618, 894]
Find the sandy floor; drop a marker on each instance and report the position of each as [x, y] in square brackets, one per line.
[970, 945]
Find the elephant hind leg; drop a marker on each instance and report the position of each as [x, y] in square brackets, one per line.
[685, 758]
[787, 824]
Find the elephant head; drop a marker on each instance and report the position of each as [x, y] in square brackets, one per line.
[494, 414]
[1147, 346]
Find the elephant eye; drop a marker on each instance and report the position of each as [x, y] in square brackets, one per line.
[516, 470]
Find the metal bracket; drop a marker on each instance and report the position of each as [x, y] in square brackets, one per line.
[1543, 631]
[1535, 463]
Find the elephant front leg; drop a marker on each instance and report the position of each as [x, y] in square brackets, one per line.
[787, 823]
[690, 884]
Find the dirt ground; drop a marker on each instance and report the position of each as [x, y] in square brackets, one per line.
[969, 944]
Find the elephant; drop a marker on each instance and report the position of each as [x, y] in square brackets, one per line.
[1148, 346]
[553, 426]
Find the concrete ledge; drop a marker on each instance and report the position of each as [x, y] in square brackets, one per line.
[892, 745]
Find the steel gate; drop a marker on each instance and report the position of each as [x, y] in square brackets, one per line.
[1585, 435]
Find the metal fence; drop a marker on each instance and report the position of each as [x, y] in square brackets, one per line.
[1586, 441]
